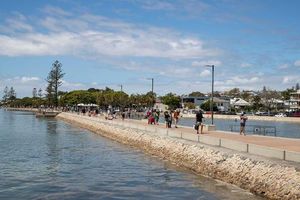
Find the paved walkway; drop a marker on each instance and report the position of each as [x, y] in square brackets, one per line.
[275, 142]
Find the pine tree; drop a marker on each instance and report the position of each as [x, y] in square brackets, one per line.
[297, 86]
[5, 95]
[40, 93]
[12, 94]
[49, 94]
[54, 80]
[34, 93]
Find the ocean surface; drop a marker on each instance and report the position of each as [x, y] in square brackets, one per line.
[49, 159]
[283, 129]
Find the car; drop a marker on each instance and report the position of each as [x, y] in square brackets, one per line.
[294, 114]
[280, 115]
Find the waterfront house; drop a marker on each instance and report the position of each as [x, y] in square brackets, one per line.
[222, 104]
[294, 101]
[239, 103]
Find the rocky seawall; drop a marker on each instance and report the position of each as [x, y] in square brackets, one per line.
[272, 180]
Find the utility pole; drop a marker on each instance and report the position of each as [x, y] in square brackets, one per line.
[121, 87]
[152, 89]
[152, 80]
[212, 92]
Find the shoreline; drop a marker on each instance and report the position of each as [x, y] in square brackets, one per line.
[192, 116]
[264, 177]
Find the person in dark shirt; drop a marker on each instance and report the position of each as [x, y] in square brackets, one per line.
[199, 117]
[167, 119]
[243, 119]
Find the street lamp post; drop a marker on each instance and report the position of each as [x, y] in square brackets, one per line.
[152, 88]
[121, 87]
[212, 92]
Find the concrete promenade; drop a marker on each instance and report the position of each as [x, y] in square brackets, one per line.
[267, 146]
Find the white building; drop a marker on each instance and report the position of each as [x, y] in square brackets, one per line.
[295, 101]
[222, 104]
[239, 103]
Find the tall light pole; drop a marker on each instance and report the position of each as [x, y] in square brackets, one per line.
[212, 92]
[121, 87]
[152, 88]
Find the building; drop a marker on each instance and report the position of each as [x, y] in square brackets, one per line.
[239, 103]
[295, 101]
[198, 101]
[222, 104]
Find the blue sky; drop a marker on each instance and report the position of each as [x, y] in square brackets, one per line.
[109, 43]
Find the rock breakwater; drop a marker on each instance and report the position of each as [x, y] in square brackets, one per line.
[271, 180]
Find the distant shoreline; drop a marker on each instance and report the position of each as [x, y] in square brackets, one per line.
[216, 116]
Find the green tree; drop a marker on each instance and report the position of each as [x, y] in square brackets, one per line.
[49, 94]
[12, 94]
[196, 94]
[78, 96]
[235, 92]
[286, 94]
[40, 93]
[5, 94]
[171, 100]
[54, 80]
[268, 98]
[297, 86]
[256, 103]
[206, 106]
[189, 105]
[34, 93]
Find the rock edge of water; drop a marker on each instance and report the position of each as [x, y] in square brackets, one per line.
[262, 178]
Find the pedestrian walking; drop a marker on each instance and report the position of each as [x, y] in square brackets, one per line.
[199, 118]
[167, 119]
[176, 117]
[243, 119]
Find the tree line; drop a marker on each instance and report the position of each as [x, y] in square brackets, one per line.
[53, 97]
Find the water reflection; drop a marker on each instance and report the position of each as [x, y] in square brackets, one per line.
[53, 153]
[48, 159]
[283, 129]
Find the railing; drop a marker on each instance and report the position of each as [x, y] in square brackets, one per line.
[255, 129]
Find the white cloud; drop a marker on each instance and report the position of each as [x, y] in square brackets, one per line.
[158, 5]
[290, 79]
[25, 79]
[205, 73]
[95, 36]
[297, 63]
[53, 10]
[283, 66]
[72, 86]
[245, 65]
[17, 23]
[203, 63]
[238, 81]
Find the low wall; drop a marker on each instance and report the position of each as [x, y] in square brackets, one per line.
[264, 178]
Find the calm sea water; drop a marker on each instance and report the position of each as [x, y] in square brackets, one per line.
[49, 159]
[283, 129]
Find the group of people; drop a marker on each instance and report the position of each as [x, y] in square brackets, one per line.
[153, 116]
[170, 117]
